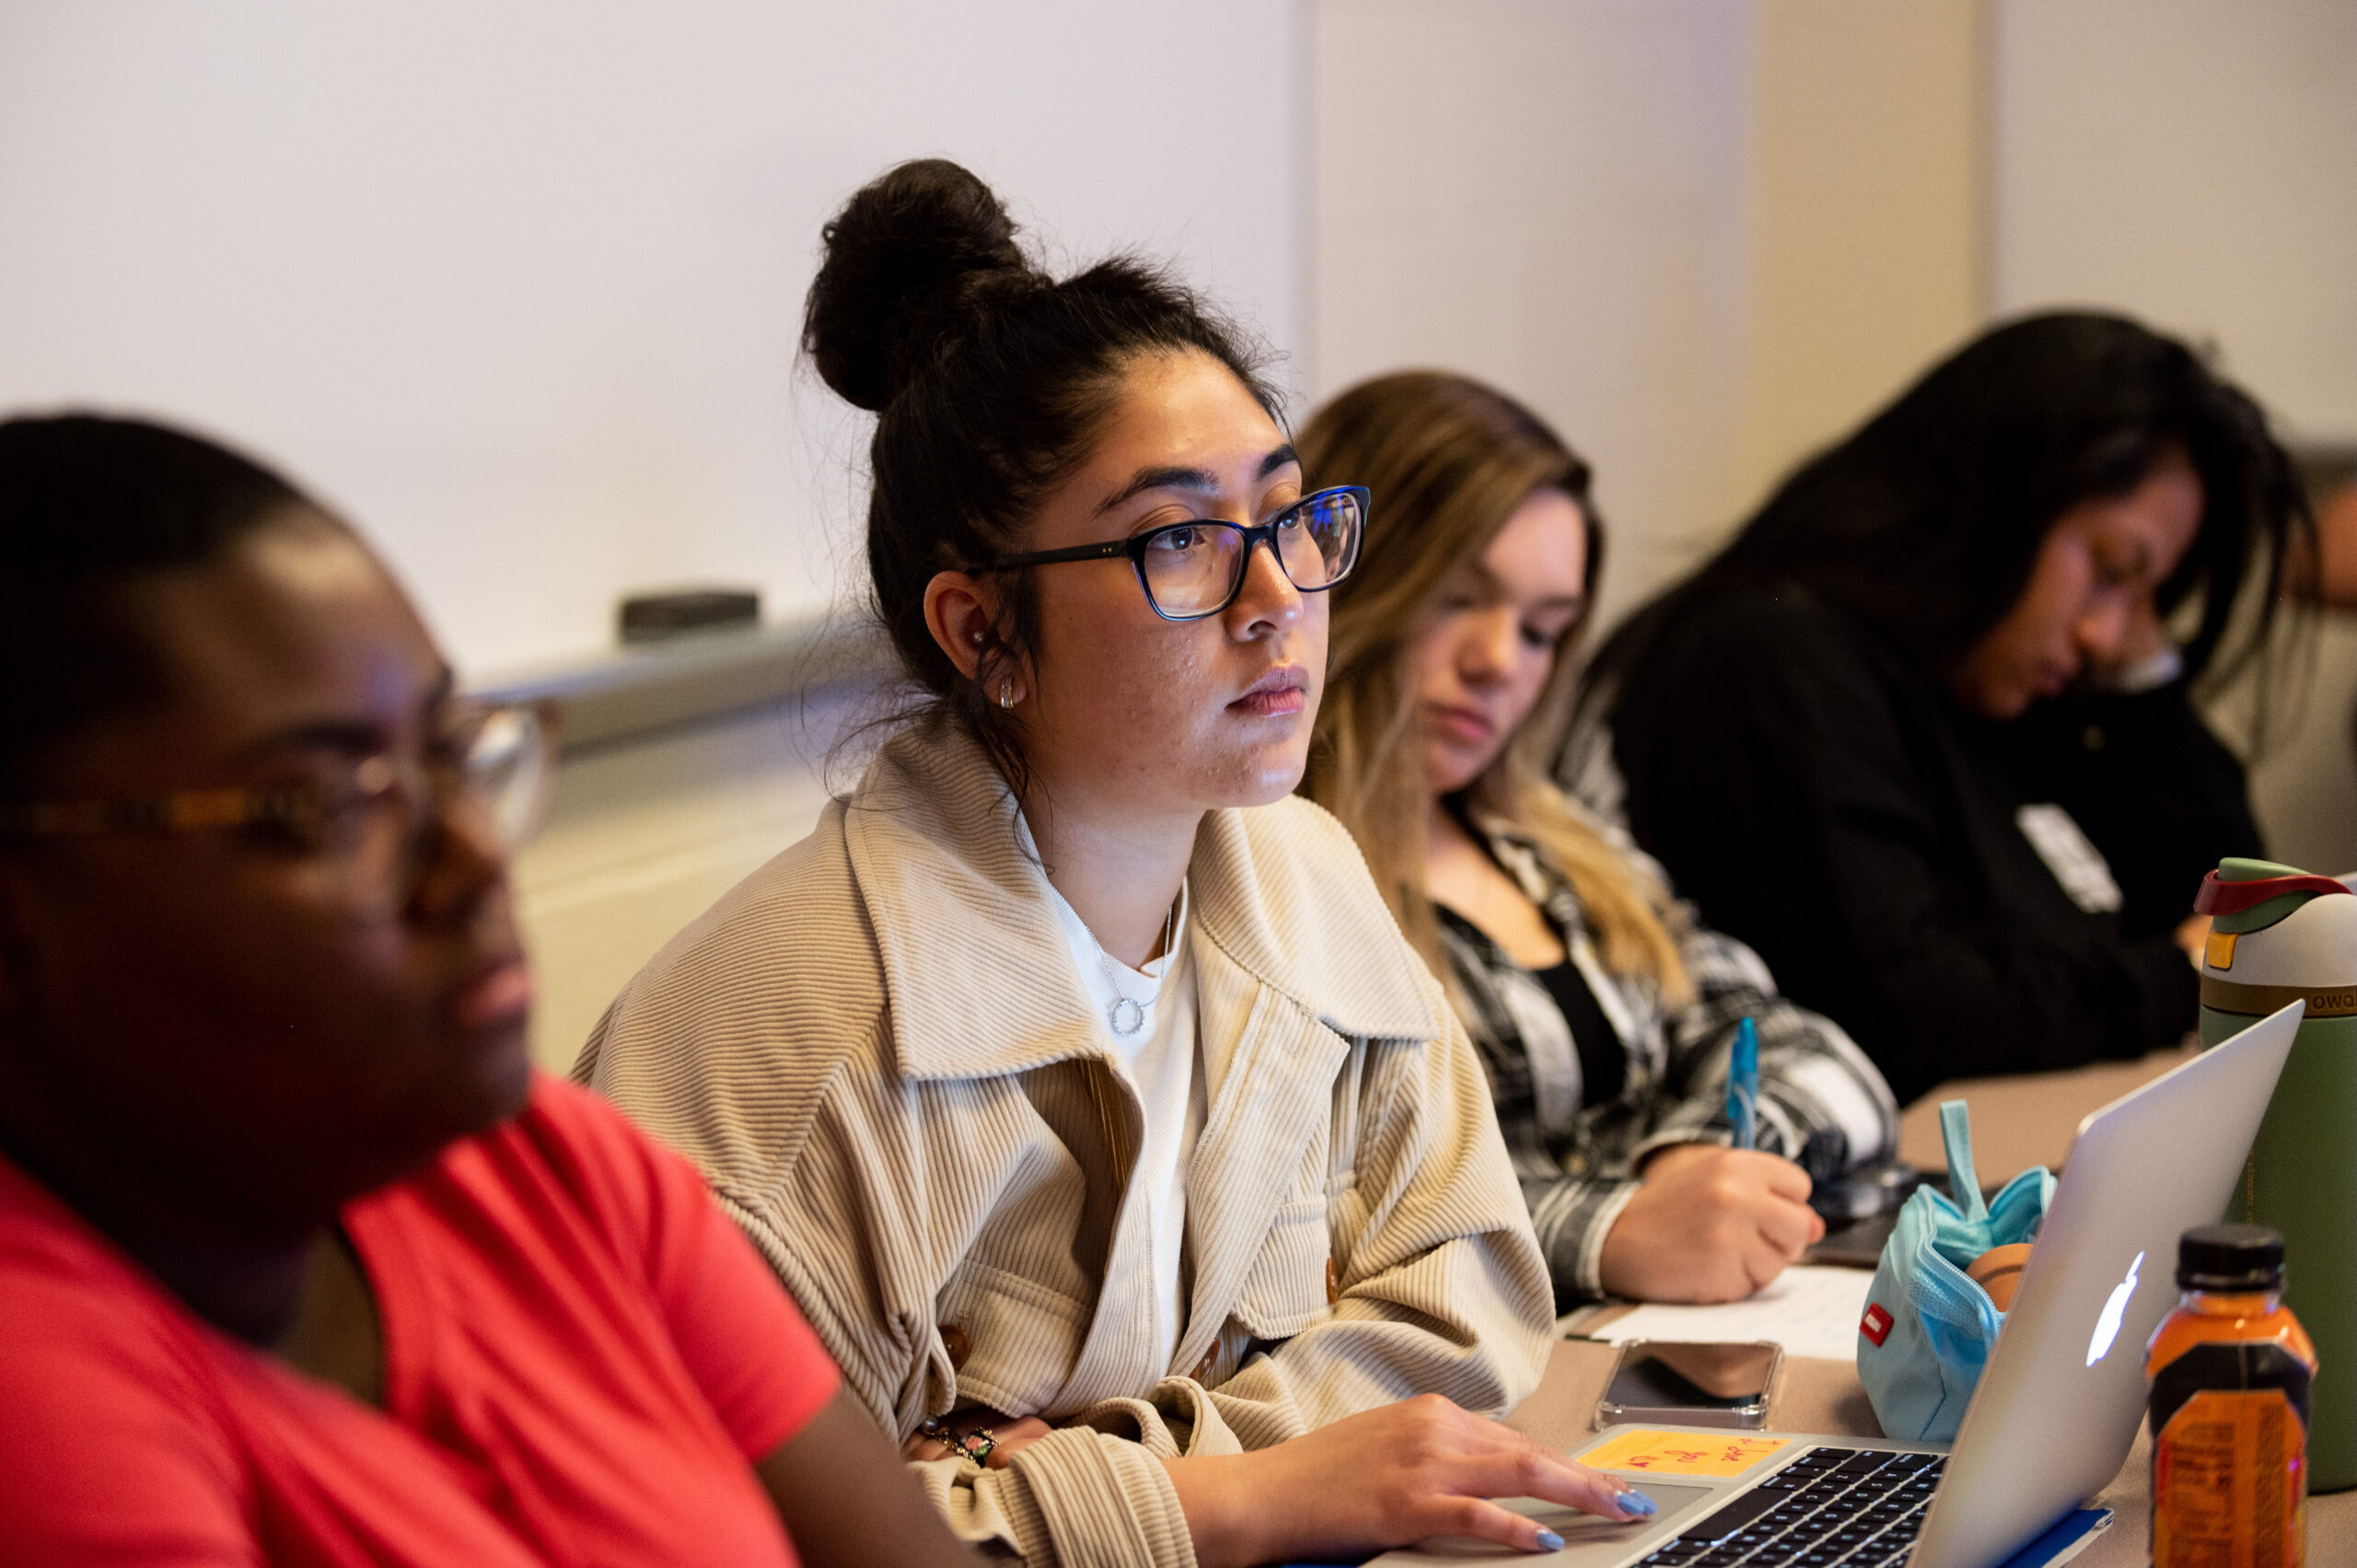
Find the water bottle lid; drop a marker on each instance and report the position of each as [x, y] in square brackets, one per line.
[2220, 894]
[2230, 1256]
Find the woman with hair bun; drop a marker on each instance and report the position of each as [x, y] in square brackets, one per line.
[1074, 1074]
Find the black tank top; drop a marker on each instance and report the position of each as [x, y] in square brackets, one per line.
[1603, 1061]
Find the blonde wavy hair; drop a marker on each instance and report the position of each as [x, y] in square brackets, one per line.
[1448, 462]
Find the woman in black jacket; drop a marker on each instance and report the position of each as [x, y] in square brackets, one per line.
[1922, 735]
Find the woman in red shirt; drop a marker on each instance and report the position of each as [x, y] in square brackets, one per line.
[299, 1262]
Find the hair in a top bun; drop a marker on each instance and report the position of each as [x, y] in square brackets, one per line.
[991, 380]
[906, 259]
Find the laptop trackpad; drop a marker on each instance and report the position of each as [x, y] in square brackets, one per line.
[1586, 1539]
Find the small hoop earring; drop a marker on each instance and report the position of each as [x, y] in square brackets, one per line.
[1006, 693]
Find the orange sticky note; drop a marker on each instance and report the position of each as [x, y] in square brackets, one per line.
[1683, 1453]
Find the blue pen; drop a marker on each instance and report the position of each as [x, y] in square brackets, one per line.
[1743, 1085]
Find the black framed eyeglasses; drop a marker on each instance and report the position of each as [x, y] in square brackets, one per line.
[1192, 571]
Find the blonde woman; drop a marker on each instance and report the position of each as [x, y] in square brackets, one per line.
[1603, 1013]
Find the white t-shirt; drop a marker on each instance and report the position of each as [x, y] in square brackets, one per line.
[1160, 1059]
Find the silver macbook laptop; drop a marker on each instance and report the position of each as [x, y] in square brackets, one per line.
[2058, 1405]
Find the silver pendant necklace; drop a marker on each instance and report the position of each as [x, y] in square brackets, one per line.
[1125, 1015]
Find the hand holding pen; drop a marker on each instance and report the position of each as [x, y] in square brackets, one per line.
[1713, 1223]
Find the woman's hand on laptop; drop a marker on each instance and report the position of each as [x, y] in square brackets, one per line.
[1383, 1477]
[1709, 1223]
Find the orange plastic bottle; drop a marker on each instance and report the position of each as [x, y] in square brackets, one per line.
[2230, 1370]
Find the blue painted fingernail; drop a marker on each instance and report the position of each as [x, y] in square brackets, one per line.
[1550, 1541]
[1638, 1503]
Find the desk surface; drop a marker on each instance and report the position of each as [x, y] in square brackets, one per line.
[2016, 1122]
[1826, 1396]
[2027, 1121]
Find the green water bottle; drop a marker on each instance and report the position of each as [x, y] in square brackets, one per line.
[2280, 935]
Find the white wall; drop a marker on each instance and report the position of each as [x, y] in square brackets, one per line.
[517, 284]
[1701, 236]
[2191, 162]
[643, 837]
[1554, 198]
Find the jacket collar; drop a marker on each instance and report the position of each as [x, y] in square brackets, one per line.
[960, 912]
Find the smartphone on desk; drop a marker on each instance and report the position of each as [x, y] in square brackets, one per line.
[1691, 1385]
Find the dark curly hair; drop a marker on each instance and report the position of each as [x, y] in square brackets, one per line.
[991, 380]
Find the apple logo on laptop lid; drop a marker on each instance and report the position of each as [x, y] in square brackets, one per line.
[2115, 1308]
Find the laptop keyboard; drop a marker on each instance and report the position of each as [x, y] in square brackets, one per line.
[1830, 1508]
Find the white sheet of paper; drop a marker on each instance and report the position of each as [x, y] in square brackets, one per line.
[1810, 1310]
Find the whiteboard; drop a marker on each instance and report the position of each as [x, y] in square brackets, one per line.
[517, 284]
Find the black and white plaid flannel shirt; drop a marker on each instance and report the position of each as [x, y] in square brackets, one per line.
[1821, 1102]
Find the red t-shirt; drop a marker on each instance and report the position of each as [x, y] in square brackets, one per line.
[582, 1358]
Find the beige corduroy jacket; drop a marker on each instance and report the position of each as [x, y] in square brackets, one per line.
[877, 1050]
